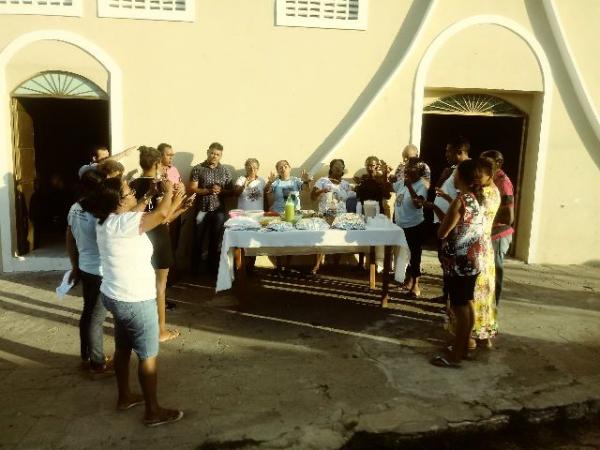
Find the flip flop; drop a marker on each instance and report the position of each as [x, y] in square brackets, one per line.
[159, 422]
[131, 405]
[442, 361]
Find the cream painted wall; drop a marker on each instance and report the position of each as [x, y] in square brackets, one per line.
[582, 35]
[463, 62]
[277, 92]
[52, 55]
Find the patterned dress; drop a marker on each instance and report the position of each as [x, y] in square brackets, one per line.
[486, 325]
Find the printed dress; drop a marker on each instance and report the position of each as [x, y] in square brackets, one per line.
[486, 325]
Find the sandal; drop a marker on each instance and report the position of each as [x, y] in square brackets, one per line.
[158, 422]
[442, 361]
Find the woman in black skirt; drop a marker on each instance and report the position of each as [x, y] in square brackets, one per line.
[148, 188]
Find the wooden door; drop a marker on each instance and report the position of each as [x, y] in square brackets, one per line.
[24, 173]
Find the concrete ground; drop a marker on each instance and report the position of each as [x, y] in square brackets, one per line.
[304, 364]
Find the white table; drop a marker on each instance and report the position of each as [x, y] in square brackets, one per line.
[312, 242]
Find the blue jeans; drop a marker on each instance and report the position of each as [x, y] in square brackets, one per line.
[501, 247]
[136, 326]
[91, 334]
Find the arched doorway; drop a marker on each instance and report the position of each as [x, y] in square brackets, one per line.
[57, 119]
[489, 122]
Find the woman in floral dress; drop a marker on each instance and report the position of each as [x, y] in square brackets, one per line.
[486, 325]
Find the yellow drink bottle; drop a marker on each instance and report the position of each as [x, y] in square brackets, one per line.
[289, 210]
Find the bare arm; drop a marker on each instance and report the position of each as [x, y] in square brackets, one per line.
[451, 219]
[122, 154]
[73, 256]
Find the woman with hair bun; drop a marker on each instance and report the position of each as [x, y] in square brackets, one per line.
[145, 188]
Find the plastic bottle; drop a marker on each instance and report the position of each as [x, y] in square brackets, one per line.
[359, 208]
[289, 210]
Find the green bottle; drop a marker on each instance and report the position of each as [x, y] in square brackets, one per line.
[289, 210]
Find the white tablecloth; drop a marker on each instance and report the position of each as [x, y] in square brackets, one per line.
[311, 242]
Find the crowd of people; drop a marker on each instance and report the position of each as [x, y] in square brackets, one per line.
[122, 237]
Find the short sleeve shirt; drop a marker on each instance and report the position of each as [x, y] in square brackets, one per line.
[449, 188]
[125, 253]
[206, 177]
[83, 228]
[507, 199]
[252, 197]
[335, 199]
[281, 189]
[406, 214]
[173, 174]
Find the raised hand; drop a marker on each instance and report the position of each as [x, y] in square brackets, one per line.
[272, 177]
[305, 176]
[178, 197]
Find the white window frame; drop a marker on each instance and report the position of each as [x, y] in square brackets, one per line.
[189, 15]
[281, 19]
[50, 9]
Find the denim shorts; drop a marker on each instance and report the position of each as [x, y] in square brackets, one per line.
[136, 325]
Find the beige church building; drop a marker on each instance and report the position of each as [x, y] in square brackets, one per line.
[306, 81]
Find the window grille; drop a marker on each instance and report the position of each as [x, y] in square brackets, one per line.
[175, 10]
[42, 7]
[59, 85]
[342, 14]
[473, 104]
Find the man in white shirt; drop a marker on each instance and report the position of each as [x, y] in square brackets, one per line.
[457, 150]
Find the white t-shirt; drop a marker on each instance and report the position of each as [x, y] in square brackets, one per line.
[406, 214]
[125, 254]
[336, 198]
[252, 197]
[449, 188]
[83, 227]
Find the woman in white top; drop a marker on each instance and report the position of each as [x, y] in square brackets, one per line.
[411, 193]
[250, 188]
[128, 288]
[331, 191]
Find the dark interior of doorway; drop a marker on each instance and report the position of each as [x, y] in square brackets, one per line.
[65, 133]
[502, 133]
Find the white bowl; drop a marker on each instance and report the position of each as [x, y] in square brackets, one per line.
[255, 213]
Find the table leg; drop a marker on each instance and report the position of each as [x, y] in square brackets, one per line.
[372, 267]
[240, 279]
[387, 267]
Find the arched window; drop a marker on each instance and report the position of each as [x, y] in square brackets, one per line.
[59, 85]
[473, 104]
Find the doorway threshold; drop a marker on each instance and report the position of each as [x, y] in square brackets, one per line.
[42, 259]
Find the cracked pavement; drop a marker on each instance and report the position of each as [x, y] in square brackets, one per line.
[297, 367]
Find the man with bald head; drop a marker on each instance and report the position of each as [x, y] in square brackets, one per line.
[411, 151]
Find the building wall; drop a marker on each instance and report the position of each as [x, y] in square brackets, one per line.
[309, 95]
